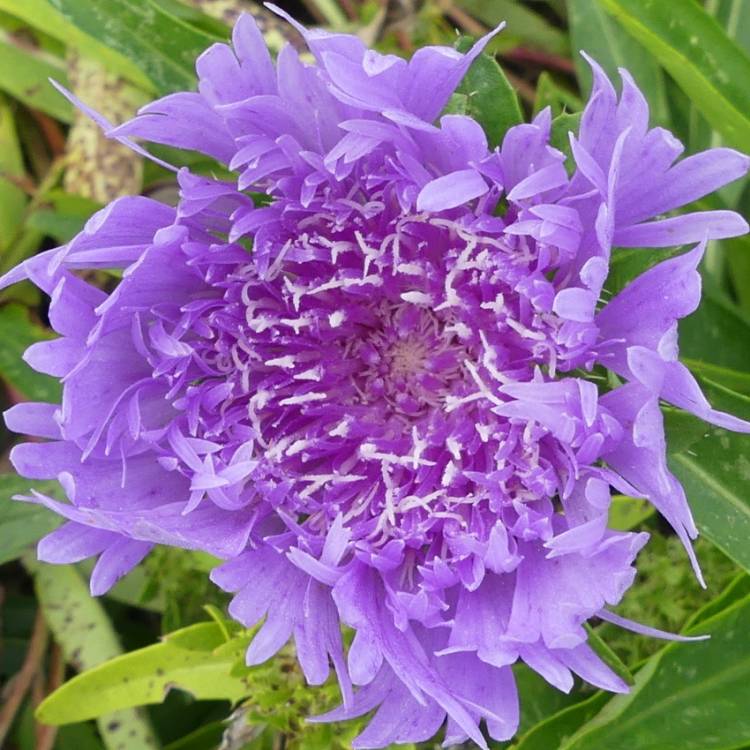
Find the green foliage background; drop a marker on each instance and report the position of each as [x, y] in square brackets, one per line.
[156, 663]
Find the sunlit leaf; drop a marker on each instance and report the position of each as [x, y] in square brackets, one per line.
[185, 660]
[82, 627]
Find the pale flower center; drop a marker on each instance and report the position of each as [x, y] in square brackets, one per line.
[412, 361]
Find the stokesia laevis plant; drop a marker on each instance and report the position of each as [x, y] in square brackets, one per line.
[390, 413]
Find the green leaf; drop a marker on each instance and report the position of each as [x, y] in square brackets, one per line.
[738, 588]
[537, 697]
[62, 215]
[552, 730]
[23, 524]
[162, 46]
[85, 634]
[714, 468]
[25, 74]
[607, 655]
[628, 263]
[549, 93]
[207, 737]
[627, 513]
[562, 126]
[737, 254]
[732, 379]
[687, 697]
[39, 14]
[523, 23]
[185, 660]
[487, 96]
[734, 18]
[717, 333]
[697, 53]
[12, 198]
[17, 333]
[595, 33]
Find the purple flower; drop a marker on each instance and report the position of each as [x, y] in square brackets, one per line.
[388, 413]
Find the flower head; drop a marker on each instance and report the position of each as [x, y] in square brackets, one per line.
[390, 412]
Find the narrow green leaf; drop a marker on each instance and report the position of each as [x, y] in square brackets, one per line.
[12, 198]
[39, 14]
[738, 588]
[23, 524]
[690, 44]
[735, 380]
[734, 19]
[25, 76]
[162, 46]
[17, 333]
[523, 23]
[607, 655]
[737, 254]
[595, 33]
[185, 660]
[489, 97]
[85, 634]
[687, 697]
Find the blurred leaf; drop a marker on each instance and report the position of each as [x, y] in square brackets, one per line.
[17, 333]
[626, 513]
[737, 254]
[185, 661]
[78, 736]
[687, 697]
[704, 61]
[595, 33]
[486, 95]
[736, 25]
[551, 94]
[205, 738]
[23, 524]
[717, 333]
[85, 634]
[40, 14]
[25, 75]
[12, 198]
[734, 19]
[162, 46]
[62, 215]
[523, 23]
[714, 468]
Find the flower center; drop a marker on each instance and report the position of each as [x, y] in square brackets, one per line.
[411, 361]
